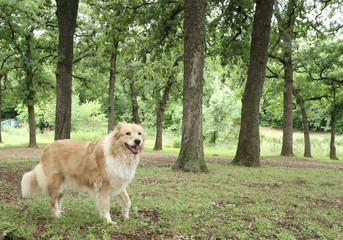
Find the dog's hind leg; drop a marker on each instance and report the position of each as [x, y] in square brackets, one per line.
[60, 201]
[125, 203]
[55, 193]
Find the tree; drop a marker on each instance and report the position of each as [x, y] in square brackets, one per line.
[191, 156]
[136, 119]
[322, 63]
[248, 149]
[307, 142]
[20, 33]
[111, 87]
[66, 15]
[286, 26]
[5, 56]
[161, 108]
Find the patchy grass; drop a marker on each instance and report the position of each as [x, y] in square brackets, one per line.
[230, 202]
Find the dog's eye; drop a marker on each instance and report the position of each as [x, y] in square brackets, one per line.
[128, 133]
[139, 133]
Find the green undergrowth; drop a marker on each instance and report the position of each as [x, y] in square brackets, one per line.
[229, 202]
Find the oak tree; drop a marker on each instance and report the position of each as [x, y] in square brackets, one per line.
[248, 149]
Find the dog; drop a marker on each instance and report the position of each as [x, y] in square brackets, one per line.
[103, 168]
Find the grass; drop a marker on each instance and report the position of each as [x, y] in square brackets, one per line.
[228, 203]
[271, 141]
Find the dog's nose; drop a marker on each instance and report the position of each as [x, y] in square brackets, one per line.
[137, 141]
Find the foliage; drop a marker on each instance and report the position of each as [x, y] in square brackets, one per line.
[221, 113]
[150, 36]
[85, 116]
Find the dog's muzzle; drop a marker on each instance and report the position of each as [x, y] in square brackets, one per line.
[134, 149]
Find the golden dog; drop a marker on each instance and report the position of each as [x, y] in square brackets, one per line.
[103, 168]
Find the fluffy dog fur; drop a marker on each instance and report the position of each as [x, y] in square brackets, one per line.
[103, 168]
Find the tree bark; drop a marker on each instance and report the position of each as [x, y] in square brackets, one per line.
[0, 108]
[191, 156]
[286, 28]
[307, 142]
[66, 15]
[161, 109]
[332, 139]
[160, 114]
[287, 139]
[112, 87]
[333, 128]
[248, 149]
[32, 126]
[134, 101]
[30, 95]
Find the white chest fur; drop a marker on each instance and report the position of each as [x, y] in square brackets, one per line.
[120, 169]
[120, 174]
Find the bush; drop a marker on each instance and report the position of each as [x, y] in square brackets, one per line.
[85, 116]
[176, 142]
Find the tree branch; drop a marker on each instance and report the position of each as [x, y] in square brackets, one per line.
[82, 79]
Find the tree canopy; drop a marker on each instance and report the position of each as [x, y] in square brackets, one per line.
[128, 61]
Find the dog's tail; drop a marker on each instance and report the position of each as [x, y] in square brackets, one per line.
[34, 182]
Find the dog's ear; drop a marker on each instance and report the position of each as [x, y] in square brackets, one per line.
[121, 124]
[117, 128]
[115, 133]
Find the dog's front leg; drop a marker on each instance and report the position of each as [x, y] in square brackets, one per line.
[103, 204]
[125, 203]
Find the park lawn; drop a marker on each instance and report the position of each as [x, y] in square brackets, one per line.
[229, 202]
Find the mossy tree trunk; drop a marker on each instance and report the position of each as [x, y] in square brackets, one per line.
[191, 156]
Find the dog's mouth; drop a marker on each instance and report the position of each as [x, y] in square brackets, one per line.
[133, 149]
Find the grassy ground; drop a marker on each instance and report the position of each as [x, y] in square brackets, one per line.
[228, 203]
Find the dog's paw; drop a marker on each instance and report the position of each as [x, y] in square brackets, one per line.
[112, 223]
[58, 214]
[108, 220]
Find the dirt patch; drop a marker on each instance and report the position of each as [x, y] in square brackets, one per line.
[20, 153]
[295, 162]
[151, 159]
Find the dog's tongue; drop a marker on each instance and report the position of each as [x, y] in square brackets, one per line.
[134, 149]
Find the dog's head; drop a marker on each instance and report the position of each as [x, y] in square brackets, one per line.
[130, 137]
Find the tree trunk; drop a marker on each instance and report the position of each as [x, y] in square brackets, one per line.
[160, 114]
[135, 112]
[30, 95]
[300, 101]
[112, 87]
[286, 28]
[0, 108]
[66, 15]
[32, 126]
[332, 139]
[248, 149]
[287, 140]
[191, 156]
[333, 128]
[161, 108]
